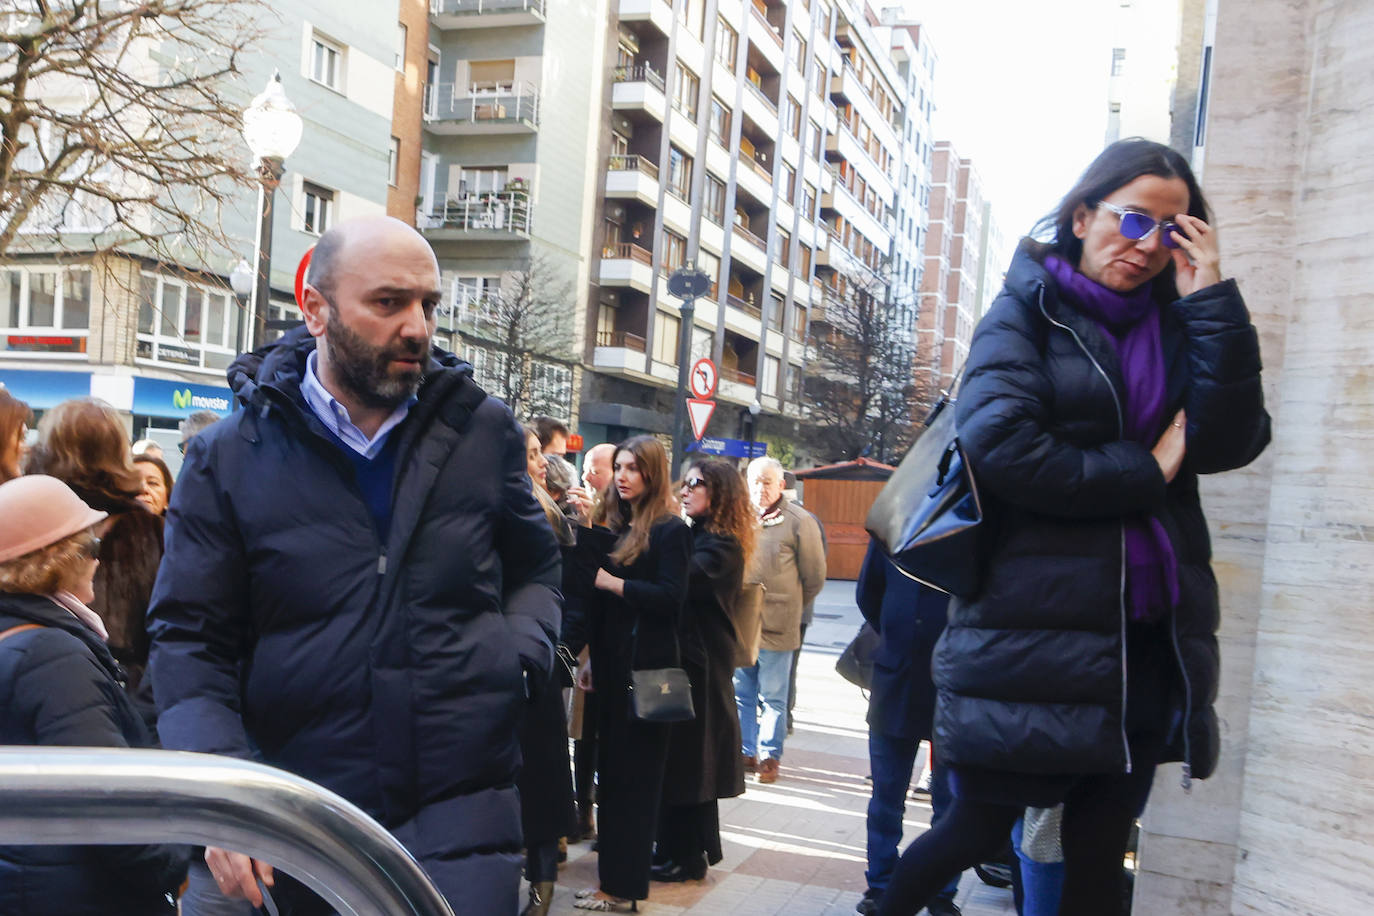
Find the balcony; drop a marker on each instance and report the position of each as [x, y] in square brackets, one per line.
[620, 339]
[627, 264]
[485, 14]
[658, 13]
[619, 351]
[478, 109]
[638, 89]
[737, 376]
[632, 178]
[503, 216]
[744, 306]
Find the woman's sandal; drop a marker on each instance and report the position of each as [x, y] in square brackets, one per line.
[588, 900]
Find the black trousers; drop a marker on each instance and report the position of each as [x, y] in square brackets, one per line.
[690, 833]
[632, 756]
[1098, 813]
[584, 759]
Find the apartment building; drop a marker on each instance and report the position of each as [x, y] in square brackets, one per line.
[510, 183]
[154, 339]
[1144, 69]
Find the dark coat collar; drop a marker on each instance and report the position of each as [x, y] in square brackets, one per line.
[16, 610]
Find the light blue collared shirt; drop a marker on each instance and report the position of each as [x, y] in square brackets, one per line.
[335, 416]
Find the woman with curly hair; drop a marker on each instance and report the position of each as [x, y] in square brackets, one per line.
[704, 763]
[633, 616]
[82, 443]
[60, 686]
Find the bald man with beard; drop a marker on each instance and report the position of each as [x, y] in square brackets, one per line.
[358, 585]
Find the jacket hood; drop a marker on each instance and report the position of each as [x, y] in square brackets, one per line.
[281, 365]
[1027, 270]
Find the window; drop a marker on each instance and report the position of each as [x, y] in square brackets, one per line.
[804, 267]
[666, 335]
[719, 124]
[710, 265]
[792, 118]
[727, 44]
[808, 200]
[772, 368]
[789, 182]
[714, 203]
[822, 81]
[817, 141]
[1118, 61]
[782, 248]
[685, 90]
[799, 52]
[393, 161]
[326, 62]
[401, 33]
[468, 302]
[798, 322]
[492, 75]
[475, 182]
[319, 206]
[692, 15]
[679, 173]
[674, 251]
[54, 302]
[186, 324]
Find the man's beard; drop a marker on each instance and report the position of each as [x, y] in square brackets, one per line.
[366, 370]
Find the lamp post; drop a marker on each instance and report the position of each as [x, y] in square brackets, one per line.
[241, 282]
[272, 130]
[754, 409]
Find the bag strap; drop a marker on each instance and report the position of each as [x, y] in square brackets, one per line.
[19, 629]
[634, 646]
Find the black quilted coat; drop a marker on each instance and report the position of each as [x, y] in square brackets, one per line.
[1030, 672]
[60, 686]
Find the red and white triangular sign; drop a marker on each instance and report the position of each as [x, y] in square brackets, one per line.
[699, 412]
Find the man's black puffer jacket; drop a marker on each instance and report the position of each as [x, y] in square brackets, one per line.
[60, 686]
[1030, 672]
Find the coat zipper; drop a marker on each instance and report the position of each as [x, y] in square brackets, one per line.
[1121, 593]
[1186, 781]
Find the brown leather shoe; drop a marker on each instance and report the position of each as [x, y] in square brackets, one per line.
[768, 770]
[751, 764]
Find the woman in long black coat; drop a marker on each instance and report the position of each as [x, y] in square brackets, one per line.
[1114, 368]
[704, 763]
[632, 625]
[545, 780]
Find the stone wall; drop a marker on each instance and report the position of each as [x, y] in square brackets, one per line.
[1287, 824]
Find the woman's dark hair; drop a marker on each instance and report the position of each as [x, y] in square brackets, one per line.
[1117, 165]
[14, 416]
[731, 512]
[82, 443]
[162, 468]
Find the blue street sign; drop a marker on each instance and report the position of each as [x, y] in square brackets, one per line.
[155, 397]
[730, 448]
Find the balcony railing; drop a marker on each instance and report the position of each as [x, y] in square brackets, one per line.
[735, 375]
[760, 10]
[758, 91]
[507, 211]
[741, 230]
[641, 73]
[627, 251]
[479, 104]
[480, 7]
[759, 168]
[632, 164]
[620, 339]
[744, 306]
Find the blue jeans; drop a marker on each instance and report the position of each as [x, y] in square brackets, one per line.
[891, 760]
[765, 682]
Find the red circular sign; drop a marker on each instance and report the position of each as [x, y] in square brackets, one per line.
[703, 378]
[300, 277]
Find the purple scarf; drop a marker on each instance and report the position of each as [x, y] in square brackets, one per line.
[1131, 323]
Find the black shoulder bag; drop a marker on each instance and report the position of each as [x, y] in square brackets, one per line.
[658, 694]
[928, 514]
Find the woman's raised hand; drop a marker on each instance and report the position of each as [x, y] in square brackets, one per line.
[1197, 260]
[1171, 447]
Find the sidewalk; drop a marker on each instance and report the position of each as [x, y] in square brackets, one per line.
[796, 847]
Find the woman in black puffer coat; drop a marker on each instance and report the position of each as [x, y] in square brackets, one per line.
[1114, 368]
[60, 686]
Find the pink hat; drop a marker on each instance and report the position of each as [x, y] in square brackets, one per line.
[36, 511]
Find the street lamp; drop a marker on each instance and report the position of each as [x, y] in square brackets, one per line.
[272, 130]
[754, 410]
[241, 282]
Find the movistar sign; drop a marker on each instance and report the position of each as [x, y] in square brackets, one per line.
[165, 398]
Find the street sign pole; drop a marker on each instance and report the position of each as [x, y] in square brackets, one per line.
[686, 283]
[681, 435]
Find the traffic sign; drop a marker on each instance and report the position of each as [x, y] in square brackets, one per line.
[300, 276]
[699, 412]
[703, 379]
[689, 282]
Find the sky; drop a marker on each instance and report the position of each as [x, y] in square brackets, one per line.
[1021, 88]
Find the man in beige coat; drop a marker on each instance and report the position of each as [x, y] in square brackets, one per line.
[790, 562]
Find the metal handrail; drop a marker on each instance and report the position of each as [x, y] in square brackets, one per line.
[118, 796]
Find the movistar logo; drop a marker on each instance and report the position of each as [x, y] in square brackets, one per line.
[185, 400]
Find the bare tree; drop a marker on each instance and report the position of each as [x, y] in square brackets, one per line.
[527, 322]
[118, 128]
[860, 391]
